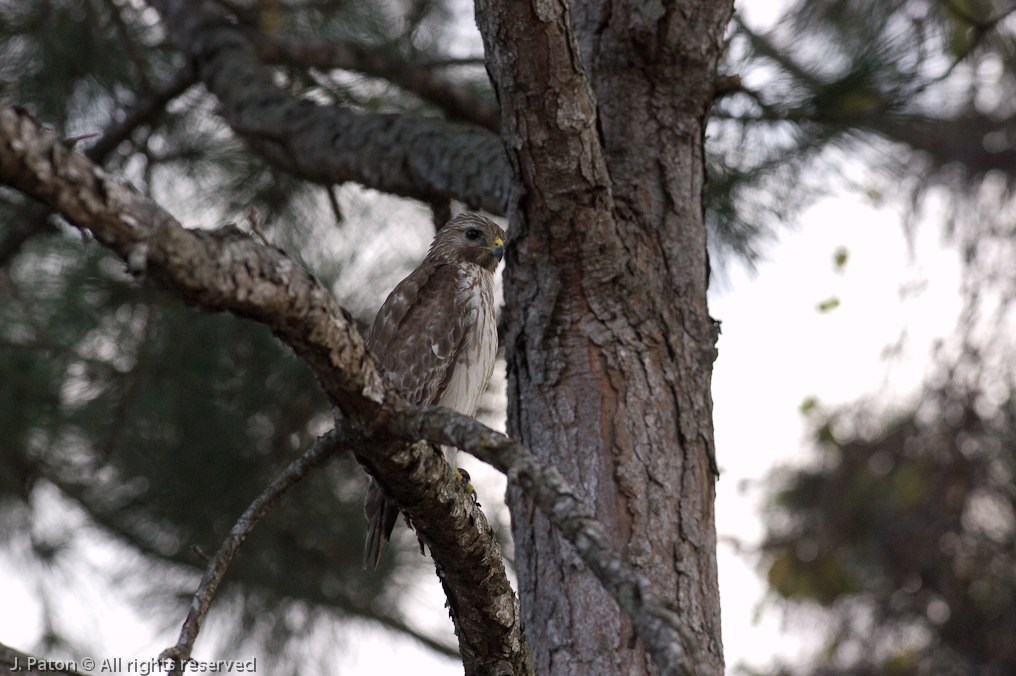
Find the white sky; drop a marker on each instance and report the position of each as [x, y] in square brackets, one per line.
[776, 348]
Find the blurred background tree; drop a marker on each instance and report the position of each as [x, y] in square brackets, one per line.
[901, 533]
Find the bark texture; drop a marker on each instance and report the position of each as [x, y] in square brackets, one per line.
[423, 158]
[227, 270]
[609, 342]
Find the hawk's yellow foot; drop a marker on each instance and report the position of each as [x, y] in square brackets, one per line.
[463, 477]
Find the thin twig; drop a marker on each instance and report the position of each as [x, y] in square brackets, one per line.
[333, 201]
[145, 111]
[763, 45]
[323, 448]
[33, 220]
[72, 141]
[255, 224]
[203, 267]
[451, 63]
[353, 608]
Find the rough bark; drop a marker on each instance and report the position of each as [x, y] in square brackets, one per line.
[673, 647]
[226, 270]
[609, 342]
[34, 220]
[411, 156]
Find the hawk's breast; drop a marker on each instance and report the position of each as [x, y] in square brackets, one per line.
[475, 362]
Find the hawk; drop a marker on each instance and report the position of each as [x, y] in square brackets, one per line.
[435, 338]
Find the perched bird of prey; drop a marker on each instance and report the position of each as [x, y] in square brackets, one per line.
[435, 338]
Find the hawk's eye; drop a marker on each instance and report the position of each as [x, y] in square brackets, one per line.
[473, 234]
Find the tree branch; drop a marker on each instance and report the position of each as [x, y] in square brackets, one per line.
[764, 46]
[216, 270]
[466, 554]
[226, 270]
[323, 448]
[411, 156]
[674, 647]
[142, 113]
[34, 220]
[456, 100]
[947, 140]
[80, 494]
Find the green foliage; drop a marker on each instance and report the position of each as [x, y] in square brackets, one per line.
[905, 532]
[840, 258]
[903, 529]
[156, 424]
[917, 93]
[163, 423]
[828, 305]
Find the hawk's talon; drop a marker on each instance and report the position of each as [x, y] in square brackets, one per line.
[463, 477]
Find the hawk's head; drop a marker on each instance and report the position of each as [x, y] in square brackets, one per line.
[470, 238]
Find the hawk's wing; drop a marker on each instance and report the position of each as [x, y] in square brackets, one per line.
[418, 332]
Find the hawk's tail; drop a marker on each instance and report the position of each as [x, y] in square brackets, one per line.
[382, 512]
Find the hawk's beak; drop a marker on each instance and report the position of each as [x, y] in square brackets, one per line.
[498, 248]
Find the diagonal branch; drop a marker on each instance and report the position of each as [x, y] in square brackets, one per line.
[657, 623]
[34, 220]
[458, 101]
[323, 448]
[216, 270]
[80, 493]
[226, 270]
[142, 113]
[405, 155]
[763, 46]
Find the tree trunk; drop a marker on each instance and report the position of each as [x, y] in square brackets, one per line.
[609, 342]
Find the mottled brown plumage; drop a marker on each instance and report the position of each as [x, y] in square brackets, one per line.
[435, 338]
